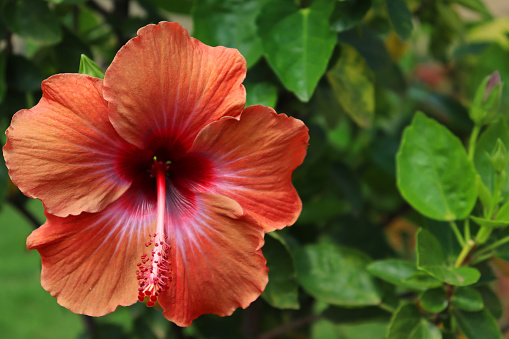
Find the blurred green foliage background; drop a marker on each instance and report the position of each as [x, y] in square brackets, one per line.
[355, 71]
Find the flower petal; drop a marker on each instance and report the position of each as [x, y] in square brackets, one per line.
[216, 259]
[164, 86]
[64, 150]
[254, 158]
[89, 261]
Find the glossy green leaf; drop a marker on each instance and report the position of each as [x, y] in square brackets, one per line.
[443, 232]
[407, 322]
[401, 18]
[32, 20]
[426, 330]
[489, 222]
[297, 43]
[261, 93]
[433, 171]
[485, 146]
[349, 13]
[396, 272]
[353, 84]
[229, 23]
[88, 66]
[336, 275]
[477, 325]
[431, 259]
[467, 299]
[434, 300]
[503, 212]
[404, 320]
[281, 291]
[422, 280]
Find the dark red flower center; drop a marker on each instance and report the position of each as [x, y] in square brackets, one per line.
[165, 181]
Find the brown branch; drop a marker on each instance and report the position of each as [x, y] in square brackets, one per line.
[20, 206]
[290, 326]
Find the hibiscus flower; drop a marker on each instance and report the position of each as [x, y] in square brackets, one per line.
[158, 185]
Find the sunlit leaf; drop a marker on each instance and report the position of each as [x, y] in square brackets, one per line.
[484, 148]
[396, 272]
[229, 23]
[434, 173]
[88, 66]
[297, 43]
[261, 93]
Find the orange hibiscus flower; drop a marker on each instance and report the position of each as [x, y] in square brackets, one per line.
[157, 184]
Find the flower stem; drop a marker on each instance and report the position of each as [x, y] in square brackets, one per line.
[464, 253]
[496, 244]
[473, 141]
[457, 233]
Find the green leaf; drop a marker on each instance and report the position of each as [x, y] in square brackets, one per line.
[467, 299]
[88, 66]
[434, 300]
[485, 146]
[261, 93]
[433, 171]
[475, 5]
[347, 14]
[367, 42]
[491, 301]
[425, 330]
[353, 84]
[422, 280]
[443, 232]
[281, 291]
[401, 18]
[407, 322]
[477, 325]
[503, 213]
[431, 259]
[229, 23]
[489, 222]
[32, 20]
[397, 272]
[297, 43]
[336, 275]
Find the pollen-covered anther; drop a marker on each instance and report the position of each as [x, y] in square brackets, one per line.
[154, 273]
